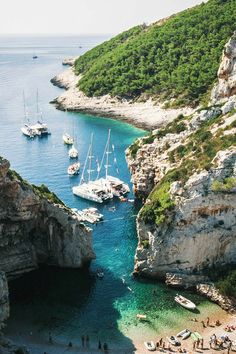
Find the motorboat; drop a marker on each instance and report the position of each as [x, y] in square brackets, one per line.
[68, 140]
[184, 334]
[100, 273]
[173, 340]
[141, 317]
[183, 301]
[73, 169]
[91, 215]
[150, 346]
[35, 57]
[73, 152]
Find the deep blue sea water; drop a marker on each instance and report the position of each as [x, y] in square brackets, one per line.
[73, 302]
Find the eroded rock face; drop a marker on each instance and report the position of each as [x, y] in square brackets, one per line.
[4, 303]
[226, 86]
[201, 229]
[34, 231]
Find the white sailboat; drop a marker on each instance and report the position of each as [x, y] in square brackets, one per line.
[73, 152]
[117, 187]
[27, 129]
[91, 190]
[40, 127]
[67, 139]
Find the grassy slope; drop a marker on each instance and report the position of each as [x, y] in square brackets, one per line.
[176, 60]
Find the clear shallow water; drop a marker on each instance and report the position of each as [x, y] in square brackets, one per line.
[72, 302]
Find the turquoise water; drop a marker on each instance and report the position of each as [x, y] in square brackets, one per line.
[72, 302]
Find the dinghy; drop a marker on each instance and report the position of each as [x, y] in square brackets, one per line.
[150, 346]
[73, 169]
[141, 317]
[68, 140]
[185, 302]
[173, 340]
[184, 334]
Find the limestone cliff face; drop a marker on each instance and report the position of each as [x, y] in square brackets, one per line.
[226, 86]
[202, 227]
[35, 231]
[186, 172]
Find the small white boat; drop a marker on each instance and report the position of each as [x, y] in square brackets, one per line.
[100, 273]
[185, 302]
[150, 346]
[73, 152]
[141, 317]
[173, 340]
[73, 169]
[68, 140]
[184, 334]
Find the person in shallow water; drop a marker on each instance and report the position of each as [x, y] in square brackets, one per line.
[99, 344]
[82, 340]
[87, 341]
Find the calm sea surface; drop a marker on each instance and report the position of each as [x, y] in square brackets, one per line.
[70, 303]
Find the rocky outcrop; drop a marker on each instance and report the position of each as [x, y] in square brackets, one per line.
[226, 86]
[200, 232]
[34, 230]
[69, 61]
[213, 294]
[146, 114]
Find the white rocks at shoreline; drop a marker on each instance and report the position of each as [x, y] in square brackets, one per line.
[147, 114]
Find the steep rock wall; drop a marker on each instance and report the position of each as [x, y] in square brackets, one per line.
[200, 232]
[35, 230]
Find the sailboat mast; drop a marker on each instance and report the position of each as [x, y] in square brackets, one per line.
[85, 164]
[107, 152]
[25, 110]
[90, 158]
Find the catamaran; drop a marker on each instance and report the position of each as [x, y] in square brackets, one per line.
[40, 127]
[102, 188]
[91, 190]
[27, 129]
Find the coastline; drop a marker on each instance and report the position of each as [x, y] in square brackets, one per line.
[145, 115]
[37, 343]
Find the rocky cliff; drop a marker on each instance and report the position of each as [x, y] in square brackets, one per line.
[35, 228]
[186, 173]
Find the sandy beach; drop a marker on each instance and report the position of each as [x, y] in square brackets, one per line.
[39, 345]
[145, 115]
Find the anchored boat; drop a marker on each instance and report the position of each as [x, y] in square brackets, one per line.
[73, 169]
[183, 301]
[68, 140]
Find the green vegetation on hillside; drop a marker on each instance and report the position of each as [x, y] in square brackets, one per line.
[202, 146]
[178, 59]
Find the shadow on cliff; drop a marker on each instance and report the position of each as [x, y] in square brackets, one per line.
[68, 303]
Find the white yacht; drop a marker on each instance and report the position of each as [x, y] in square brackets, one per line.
[27, 129]
[102, 188]
[40, 127]
[73, 152]
[91, 190]
[68, 140]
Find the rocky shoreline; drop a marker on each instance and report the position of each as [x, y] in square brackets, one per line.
[146, 115]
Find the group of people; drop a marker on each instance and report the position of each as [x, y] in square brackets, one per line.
[222, 342]
[84, 342]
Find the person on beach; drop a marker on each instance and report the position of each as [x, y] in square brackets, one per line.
[160, 342]
[99, 344]
[194, 345]
[82, 340]
[198, 342]
[87, 341]
[50, 338]
[202, 343]
[208, 321]
[203, 324]
[105, 347]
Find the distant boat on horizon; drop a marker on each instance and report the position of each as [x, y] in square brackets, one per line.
[35, 57]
